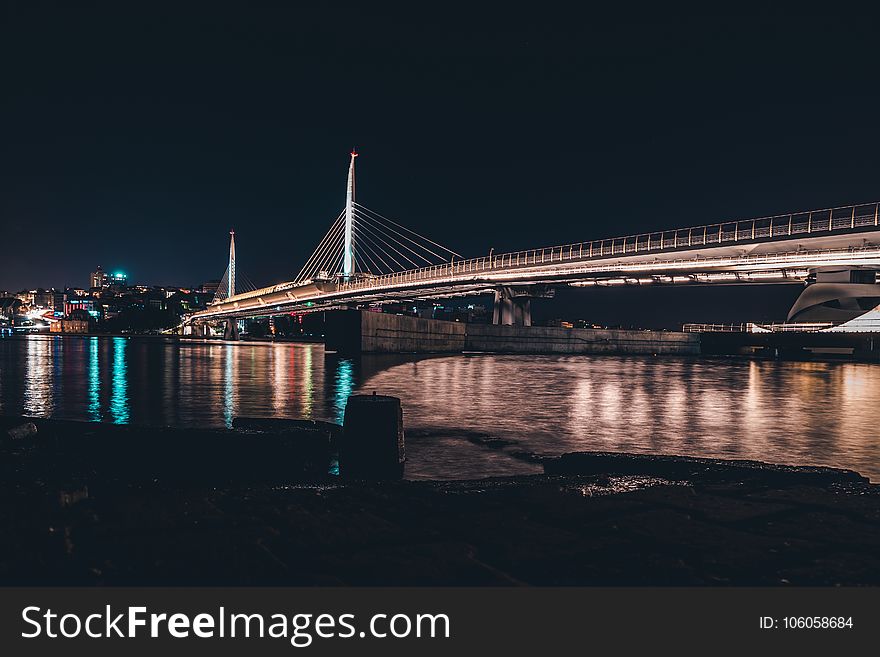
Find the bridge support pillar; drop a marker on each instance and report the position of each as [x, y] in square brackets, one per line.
[513, 305]
[197, 330]
[230, 330]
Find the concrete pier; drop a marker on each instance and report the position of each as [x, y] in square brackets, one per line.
[357, 331]
[354, 331]
[513, 305]
[230, 329]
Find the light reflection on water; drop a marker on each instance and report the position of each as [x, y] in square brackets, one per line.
[38, 385]
[467, 416]
[784, 412]
[343, 388]
[94, 412]
[119, 410]
[229, 385]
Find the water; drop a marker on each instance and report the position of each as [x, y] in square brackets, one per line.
[467, 416]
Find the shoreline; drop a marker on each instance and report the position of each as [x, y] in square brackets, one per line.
[758, 355]
[92, 505]
[167, 338]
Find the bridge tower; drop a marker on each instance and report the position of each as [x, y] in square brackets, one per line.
[230, 281]
[348, 252]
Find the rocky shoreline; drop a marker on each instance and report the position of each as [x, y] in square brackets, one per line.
[86, 504]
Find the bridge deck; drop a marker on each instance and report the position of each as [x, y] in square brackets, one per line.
[786, 244]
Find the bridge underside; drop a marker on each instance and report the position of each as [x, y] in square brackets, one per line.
[837, 295]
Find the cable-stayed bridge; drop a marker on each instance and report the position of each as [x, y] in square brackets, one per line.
[367, 258]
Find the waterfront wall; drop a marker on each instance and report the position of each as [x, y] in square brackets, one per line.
[552, 340]
[353, 331]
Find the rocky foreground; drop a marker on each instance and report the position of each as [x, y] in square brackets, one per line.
[97, 505]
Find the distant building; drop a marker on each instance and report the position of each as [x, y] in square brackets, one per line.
[193, 301]
[69, 326]
[43, 298]
[117, 279]
[86, 304]
[210, 287]
[58, 299]
[9, 307]
[48, 300]
[98, 278]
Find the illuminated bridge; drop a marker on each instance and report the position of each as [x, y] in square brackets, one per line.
[366, 258]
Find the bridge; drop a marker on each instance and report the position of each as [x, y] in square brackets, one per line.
[366, 258]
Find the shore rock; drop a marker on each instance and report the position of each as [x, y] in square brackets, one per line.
[689, 468]
[81, 506]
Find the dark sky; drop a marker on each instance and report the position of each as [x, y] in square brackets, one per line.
[136, 135]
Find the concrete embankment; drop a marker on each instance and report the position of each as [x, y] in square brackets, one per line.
[356, 331]
[71, 516]
[551, 340]
[353, 332]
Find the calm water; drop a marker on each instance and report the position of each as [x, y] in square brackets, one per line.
[467, 416]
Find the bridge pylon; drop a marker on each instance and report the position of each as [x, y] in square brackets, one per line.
[513, 305]
[230, 279]
[348, 248]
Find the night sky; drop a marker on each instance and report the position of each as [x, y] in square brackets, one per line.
[135, 135]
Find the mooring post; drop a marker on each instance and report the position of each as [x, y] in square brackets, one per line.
[372, 445]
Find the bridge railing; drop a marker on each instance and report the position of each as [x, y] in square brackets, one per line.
[841, 219]
[715, 328]
[752, 327]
